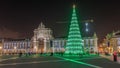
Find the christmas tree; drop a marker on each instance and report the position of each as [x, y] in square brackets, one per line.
[74, 45]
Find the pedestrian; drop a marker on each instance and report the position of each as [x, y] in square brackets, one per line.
[20, 54]
[115, 56]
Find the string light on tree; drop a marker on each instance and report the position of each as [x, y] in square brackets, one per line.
[74, 44]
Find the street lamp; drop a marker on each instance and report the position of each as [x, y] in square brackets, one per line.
[86, 33]
[86, 25]
[87, 22]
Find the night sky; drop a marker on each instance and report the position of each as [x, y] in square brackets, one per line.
[18, 19]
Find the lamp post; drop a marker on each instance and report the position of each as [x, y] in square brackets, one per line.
[87, 22]
[86, 25]
[86, 29]
[86, 35]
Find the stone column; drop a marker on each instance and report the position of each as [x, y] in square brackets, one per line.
[95, 45]
[45, 44]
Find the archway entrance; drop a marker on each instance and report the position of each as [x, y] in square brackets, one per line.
[41, 45]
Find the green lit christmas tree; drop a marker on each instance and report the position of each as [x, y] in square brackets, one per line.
[74, 45]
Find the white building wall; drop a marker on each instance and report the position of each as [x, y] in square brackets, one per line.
[42, 33]
[16, 46]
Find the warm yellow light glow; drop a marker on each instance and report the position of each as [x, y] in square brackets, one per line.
[35, 47]
[0, 47]
[15, 47]
[119, 49]
[73, 5]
